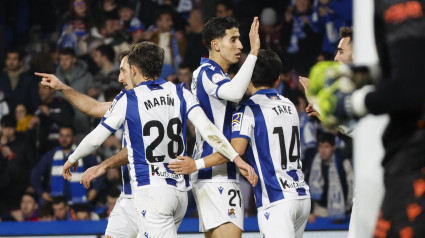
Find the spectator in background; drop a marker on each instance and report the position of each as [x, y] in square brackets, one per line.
[224, 8]
[270, 31]
[16, 161]
[45, 213]
[328, 17]
[165, 37]
[111, 199]
[27, 211]
[22, 117]
[50, 169]
[73, 72]
[76, 27]
[300, 36]
[83, 212]
[61, 209]
[131, 23]
[4, 107]
[104, 57]
[196, 48]
[185, 75]
[18, 85]
[330, 180]
[53, 113]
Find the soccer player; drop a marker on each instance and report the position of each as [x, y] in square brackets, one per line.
[399, 34]
[154, 115]
[220, 211]
[122, 221]
[282, 196]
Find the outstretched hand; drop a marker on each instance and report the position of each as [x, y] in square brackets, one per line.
[247, 171]
[66, 171]
[51, 81]
[254, 37]
[92, 173]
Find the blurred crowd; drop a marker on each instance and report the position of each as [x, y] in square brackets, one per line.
[80, 42]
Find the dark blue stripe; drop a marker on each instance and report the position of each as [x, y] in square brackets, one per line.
[257, 189]
[57, 163]
[183, 114]
[125, 175]
[168, 180]
[219, 86]
[227, 131]
[261, 139]
[190, 109]
[135, 133]
[204, 101]
[294, 176]
[237, 134]
[107, 127]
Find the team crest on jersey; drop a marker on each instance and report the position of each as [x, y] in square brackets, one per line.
[236, 122]
[232, 213]
[217, 78]
[267, 215]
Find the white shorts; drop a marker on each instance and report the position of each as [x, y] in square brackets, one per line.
[286, 219]
[161, 210]
[122, 221]
[218, 203]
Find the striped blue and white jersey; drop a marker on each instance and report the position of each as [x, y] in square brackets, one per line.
[206, 81]
[270, 123]
[154, 115]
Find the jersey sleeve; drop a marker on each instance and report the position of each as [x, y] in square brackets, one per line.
[191, 101]
[212, 81]
[243, 123]
[115, 116]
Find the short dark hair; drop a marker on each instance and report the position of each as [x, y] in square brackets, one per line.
[124, 54]
[267, 69]
[15, 50]
[148, 58]
[45, 210]
[107, 51]
[327, 137]
[163, 10]
[8, 121]
[216, 27]
[68, 127]
[67, 51]
[346, 32]
[81, 207]
[32, 195]
[59, 199]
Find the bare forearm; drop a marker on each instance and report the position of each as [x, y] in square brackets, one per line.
[214, 159]
[85, 103]
[119, 159]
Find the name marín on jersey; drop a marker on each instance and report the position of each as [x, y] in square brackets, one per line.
[159, 101]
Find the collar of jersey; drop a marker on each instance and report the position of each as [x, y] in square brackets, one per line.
[210, 61]
[266, 91]
[157, 81]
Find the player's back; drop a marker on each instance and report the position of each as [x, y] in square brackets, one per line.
[156, 123]
[270, 122]
[207, 79]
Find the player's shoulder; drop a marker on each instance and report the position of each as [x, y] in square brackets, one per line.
[212, 70]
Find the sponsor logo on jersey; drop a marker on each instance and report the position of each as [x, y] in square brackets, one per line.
[220, 189]
[236, 122]
[231, 212]
[161, 172]
[267, 214]
[217, 78]
[293, 184]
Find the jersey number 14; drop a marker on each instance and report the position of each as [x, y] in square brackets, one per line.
[295, 138]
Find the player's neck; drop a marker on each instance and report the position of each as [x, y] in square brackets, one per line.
[254, 89]
[220, 61]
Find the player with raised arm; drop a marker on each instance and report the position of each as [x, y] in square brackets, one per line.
[282, 196]
[214, 188]
[122, 221]
[154, 115]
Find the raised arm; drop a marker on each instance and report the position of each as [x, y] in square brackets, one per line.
[82, 102]
[236, 88]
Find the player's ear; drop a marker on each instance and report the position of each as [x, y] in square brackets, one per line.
[214, 45]
[133, 70]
